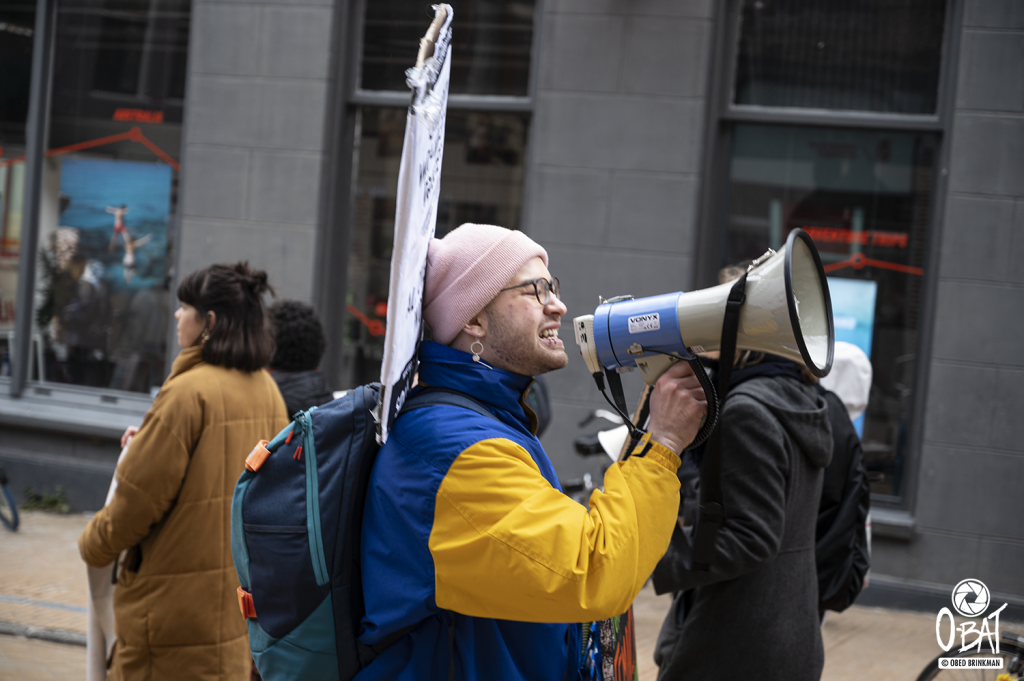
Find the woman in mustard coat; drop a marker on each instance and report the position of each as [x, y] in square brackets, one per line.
[176, 608]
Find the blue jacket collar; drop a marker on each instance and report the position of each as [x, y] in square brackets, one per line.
[446, 367]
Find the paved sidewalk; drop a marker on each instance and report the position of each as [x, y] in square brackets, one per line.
[42, 577]
[42, 584]
[861, 643]
[875, 643]
[26, 659]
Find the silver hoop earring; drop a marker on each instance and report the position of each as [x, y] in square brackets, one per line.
[476, 353]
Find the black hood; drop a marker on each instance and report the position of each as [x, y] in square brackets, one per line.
[302, 390]
[777, 383]
[799, 408]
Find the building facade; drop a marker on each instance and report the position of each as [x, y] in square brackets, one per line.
[644, 143]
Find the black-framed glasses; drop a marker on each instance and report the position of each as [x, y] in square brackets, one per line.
[542, 288]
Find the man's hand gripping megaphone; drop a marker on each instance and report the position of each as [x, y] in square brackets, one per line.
[677, 403]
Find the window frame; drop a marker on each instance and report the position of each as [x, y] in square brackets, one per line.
[36, 130]
[363, 97]
[341, 149]
[37, 134]
[891, 515]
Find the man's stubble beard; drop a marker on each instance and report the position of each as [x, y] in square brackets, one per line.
[517, 350]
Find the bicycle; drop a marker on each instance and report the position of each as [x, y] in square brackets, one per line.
[8, 507]
[1011, 650]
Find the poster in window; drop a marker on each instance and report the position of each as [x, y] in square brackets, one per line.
[120, 211]
[104, 274]
[853, 313]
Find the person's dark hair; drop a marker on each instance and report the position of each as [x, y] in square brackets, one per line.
[241, 337]
[298, 336]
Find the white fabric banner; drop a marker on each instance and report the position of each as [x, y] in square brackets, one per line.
[100, 635]
[419, 178]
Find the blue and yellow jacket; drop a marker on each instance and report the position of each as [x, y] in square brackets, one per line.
[464, 519]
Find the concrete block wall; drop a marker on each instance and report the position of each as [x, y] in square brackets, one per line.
[614, 170]
[972, 463]
[253, 154]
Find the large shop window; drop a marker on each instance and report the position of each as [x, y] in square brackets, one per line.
[481, 181]
[490, 48]
[109, 193]
[863, 196]
[864, 55]
[17, 21]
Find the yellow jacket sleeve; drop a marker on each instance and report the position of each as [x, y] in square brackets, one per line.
[507, 545]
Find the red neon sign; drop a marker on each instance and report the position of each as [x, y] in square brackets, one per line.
[832, 235]
[138, 116]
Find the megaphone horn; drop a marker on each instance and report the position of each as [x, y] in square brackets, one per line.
[787, 312]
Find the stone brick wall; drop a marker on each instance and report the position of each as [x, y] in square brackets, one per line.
[613, 180]
[971, 473]
[252, 161]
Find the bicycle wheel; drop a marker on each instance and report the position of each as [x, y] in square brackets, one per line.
[8, 509]
[1010, 654]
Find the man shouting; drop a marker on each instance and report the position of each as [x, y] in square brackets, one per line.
[473, 559]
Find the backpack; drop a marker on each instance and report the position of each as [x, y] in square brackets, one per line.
[841, 550]
[296, 518]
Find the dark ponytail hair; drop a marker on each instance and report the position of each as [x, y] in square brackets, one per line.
[241, 337]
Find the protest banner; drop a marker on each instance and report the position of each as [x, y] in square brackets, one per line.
[100, 635]
[419, 179]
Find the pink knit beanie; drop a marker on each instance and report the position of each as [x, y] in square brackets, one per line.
[466, 269]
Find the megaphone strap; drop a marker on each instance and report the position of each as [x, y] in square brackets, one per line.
[730, 327]
[643, 410]
[711, 395]
[615, 385]
[709, 520]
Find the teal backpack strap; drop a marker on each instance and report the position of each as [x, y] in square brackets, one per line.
[304, 425]
[239, 550]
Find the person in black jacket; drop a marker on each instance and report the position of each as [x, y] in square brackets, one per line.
[299, 340]
[761, 590]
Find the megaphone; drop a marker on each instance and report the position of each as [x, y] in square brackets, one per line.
[787, 312]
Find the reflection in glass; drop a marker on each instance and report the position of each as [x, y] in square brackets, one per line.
[17, 22]
[119, 59]
[863, 196]
[864, 55]
[481, 181]
[12, 188]
[109, 193]
[490, 47]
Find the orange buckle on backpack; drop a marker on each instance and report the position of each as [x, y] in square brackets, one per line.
[245, 603]
[257, 456]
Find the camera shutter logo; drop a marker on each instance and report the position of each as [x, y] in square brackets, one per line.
[971, 598]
